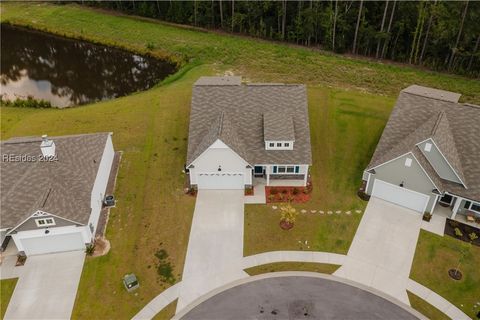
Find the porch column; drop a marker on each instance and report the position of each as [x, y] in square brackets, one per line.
[434, 204]
[305, 177]
[458, 200]
[267, 170]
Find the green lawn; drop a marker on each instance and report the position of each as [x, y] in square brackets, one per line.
[434, 256]
[425, 308]
[292, 266]
[345, 127]
[151, 128]
[6, 290]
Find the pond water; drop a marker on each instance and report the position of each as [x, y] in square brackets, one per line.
[69, 72]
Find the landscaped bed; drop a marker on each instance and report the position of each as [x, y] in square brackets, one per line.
[435, 256]
[288, 194]
[462, 231]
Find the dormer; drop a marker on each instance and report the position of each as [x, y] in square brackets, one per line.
[278, 131]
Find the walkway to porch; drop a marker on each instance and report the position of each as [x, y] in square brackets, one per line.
[446, 212]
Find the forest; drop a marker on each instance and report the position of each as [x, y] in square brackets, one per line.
[438, 35]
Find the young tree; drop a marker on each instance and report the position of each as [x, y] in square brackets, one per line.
[284, 17]
[425, 41]
[473, 53]
[221, 14]
[356, 28]
[334, 25]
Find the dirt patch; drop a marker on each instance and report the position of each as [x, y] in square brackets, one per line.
[102, 247]
[455, 274]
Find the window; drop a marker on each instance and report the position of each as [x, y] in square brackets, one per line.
[279, 144]
[271, 144]
[408, 162]
[286, 144]
[467, 205]
[290, 169]
[281, 169]
[286, 169]
[428, 147]
[45, 222]
[475, 207]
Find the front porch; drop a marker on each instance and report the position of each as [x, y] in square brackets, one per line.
[281, 175]
[446, 212]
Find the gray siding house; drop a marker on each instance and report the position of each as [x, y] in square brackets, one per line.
[52, 190]
[428, 154]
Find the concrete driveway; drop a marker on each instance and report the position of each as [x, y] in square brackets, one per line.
[47, 287]
[215, 247]
[382, 251]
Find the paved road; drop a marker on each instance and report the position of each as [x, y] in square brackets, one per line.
[297, 297]
[382, 251]
[215, 247]
[47, 287]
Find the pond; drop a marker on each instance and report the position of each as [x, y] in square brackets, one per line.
[69, 72]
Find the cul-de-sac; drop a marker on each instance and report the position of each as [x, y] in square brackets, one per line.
[240, 160]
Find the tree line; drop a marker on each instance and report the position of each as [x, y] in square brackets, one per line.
[439, 35]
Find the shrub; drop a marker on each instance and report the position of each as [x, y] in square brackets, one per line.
[271, 197]
[453, 223]
[288, 213]
[273, 191]
[473, 236]
[284, 191]
[161, 254]
[458, 232]
[30, 102]
[164, 267]
[280, 197]
[295, 191]
[90, 249]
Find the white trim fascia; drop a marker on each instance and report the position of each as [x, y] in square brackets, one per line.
[203, 153]
[50, 214]
[446, 160]
[384, 163]
[368, 181]
[425, 171]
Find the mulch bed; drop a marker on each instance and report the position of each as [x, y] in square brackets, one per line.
[286, 225]
[455, 274]
[103, 219]
[361, 192]
[464, 228]
[288, 194]
[249, 191]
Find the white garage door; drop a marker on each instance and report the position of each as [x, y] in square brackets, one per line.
[53, 243]
[219, 180]
[401, 196]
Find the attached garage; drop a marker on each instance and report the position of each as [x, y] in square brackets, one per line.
[401, 196]
[220, 180]
[53, 243]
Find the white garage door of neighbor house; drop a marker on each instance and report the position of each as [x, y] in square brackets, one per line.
[401, 196]
[220, 180]
[53, 243]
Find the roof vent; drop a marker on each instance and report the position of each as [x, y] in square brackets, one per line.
[48, 147]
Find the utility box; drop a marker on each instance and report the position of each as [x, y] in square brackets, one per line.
[130, 282]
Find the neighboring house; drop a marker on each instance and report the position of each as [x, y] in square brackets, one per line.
[429, 152]
[52, 190]
[241, 131]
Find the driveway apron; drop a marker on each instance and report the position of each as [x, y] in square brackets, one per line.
[382, 251]
[215, 247]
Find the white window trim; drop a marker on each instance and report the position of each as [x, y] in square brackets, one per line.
[46, 224]
[471, 204]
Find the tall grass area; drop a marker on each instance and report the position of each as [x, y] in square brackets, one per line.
[255, 59]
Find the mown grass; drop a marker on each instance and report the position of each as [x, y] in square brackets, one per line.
[292, 266]
[152, 212]
[151, 128]
[256, 59]
[434, 256]
[345, 127]
[6, 290]
[425, 308]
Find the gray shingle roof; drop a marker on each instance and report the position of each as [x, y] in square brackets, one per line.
[278, 127]
[243, 108]
[453, 126]
[61, 187]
